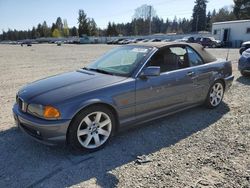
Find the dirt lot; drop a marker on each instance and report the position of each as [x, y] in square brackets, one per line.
[194, 148]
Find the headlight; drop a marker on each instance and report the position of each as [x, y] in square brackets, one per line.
[47, 112]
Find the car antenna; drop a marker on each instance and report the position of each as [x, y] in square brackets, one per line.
[227, 53]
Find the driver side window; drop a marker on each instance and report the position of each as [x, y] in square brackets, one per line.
[170, 59]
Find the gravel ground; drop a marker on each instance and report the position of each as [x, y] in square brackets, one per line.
[193, 148]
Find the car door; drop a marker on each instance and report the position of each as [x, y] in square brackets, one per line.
[167, 92]
[200, 75]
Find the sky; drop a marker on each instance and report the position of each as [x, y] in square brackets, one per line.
[24, 14]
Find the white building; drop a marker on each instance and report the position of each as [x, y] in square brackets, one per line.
[233, 32]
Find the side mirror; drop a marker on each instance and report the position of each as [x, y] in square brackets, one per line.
[150, 71]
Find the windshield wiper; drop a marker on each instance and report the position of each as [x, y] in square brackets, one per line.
[98, 70]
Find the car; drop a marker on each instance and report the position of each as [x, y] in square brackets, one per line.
[244, 46]
[154, 40]
[110, 41]
[166, 40]
[129, 85]
[125, 41]
[28, 43]
[144, 40]
[209, 42]
[58, 43]
[244, 63]
[186, 39]
[116, 41]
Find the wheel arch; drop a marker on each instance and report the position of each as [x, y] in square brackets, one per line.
[222, 81]
[99, 103]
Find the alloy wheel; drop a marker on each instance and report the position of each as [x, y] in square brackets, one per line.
[94, 130]
[216, 94]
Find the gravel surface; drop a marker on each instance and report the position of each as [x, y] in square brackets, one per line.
[193, 148]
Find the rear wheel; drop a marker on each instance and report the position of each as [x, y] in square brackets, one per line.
[91, 128]
[215, 95]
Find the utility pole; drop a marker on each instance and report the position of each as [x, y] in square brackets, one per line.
[150, 15]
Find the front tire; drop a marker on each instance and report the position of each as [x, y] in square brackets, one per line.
[215, 95]
[91, 129]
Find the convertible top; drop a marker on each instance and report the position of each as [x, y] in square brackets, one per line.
[206, 56]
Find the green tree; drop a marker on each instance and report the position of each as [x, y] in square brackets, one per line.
[208, 19]
[242, 9]
[83, 25]
[59, 24]
[74, 31]
[45, 30]
[224, 14]
[109, 30]
[56, 33]
[92, 27]
[199, 15]
[33, 33]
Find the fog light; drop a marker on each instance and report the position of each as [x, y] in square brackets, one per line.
[38, 133]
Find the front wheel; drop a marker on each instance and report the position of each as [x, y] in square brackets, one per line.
[215, 95]
[91, 129]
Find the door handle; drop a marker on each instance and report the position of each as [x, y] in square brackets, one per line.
[190, 73]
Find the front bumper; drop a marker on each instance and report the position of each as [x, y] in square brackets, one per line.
[50, 132]
[244, 65]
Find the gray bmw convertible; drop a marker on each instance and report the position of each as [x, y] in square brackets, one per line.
[127, 86]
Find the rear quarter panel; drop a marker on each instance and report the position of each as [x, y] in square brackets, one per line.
[210, 72]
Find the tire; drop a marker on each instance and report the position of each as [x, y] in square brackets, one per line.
[215, 95]
[244, 73]
[85, 133]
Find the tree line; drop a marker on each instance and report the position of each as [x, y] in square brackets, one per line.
[144, 22]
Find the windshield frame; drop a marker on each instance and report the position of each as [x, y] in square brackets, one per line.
[133, 71]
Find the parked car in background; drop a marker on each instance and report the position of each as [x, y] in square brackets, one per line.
[244, 63]
[125, 41]
[166, 40]
[129, 85]
[209, 42]
[244, 46]
[186, 39]
[115, 41]
[154, 40]
[145, 40]
[58, 43]
[28, 43]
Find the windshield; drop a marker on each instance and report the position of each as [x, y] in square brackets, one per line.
[120, 61]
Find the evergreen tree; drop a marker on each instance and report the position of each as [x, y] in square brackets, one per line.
[83, 27]
[45, 30]
[242, 9]
[74, 31]
[59, 24]
[199, 15]
[109, 30]
[92, 27]
[208, 19]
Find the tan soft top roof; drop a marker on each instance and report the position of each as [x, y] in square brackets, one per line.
[206, 56]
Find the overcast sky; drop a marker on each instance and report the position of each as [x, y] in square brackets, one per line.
[24, 14]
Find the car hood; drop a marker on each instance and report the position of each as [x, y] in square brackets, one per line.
[67, 85]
